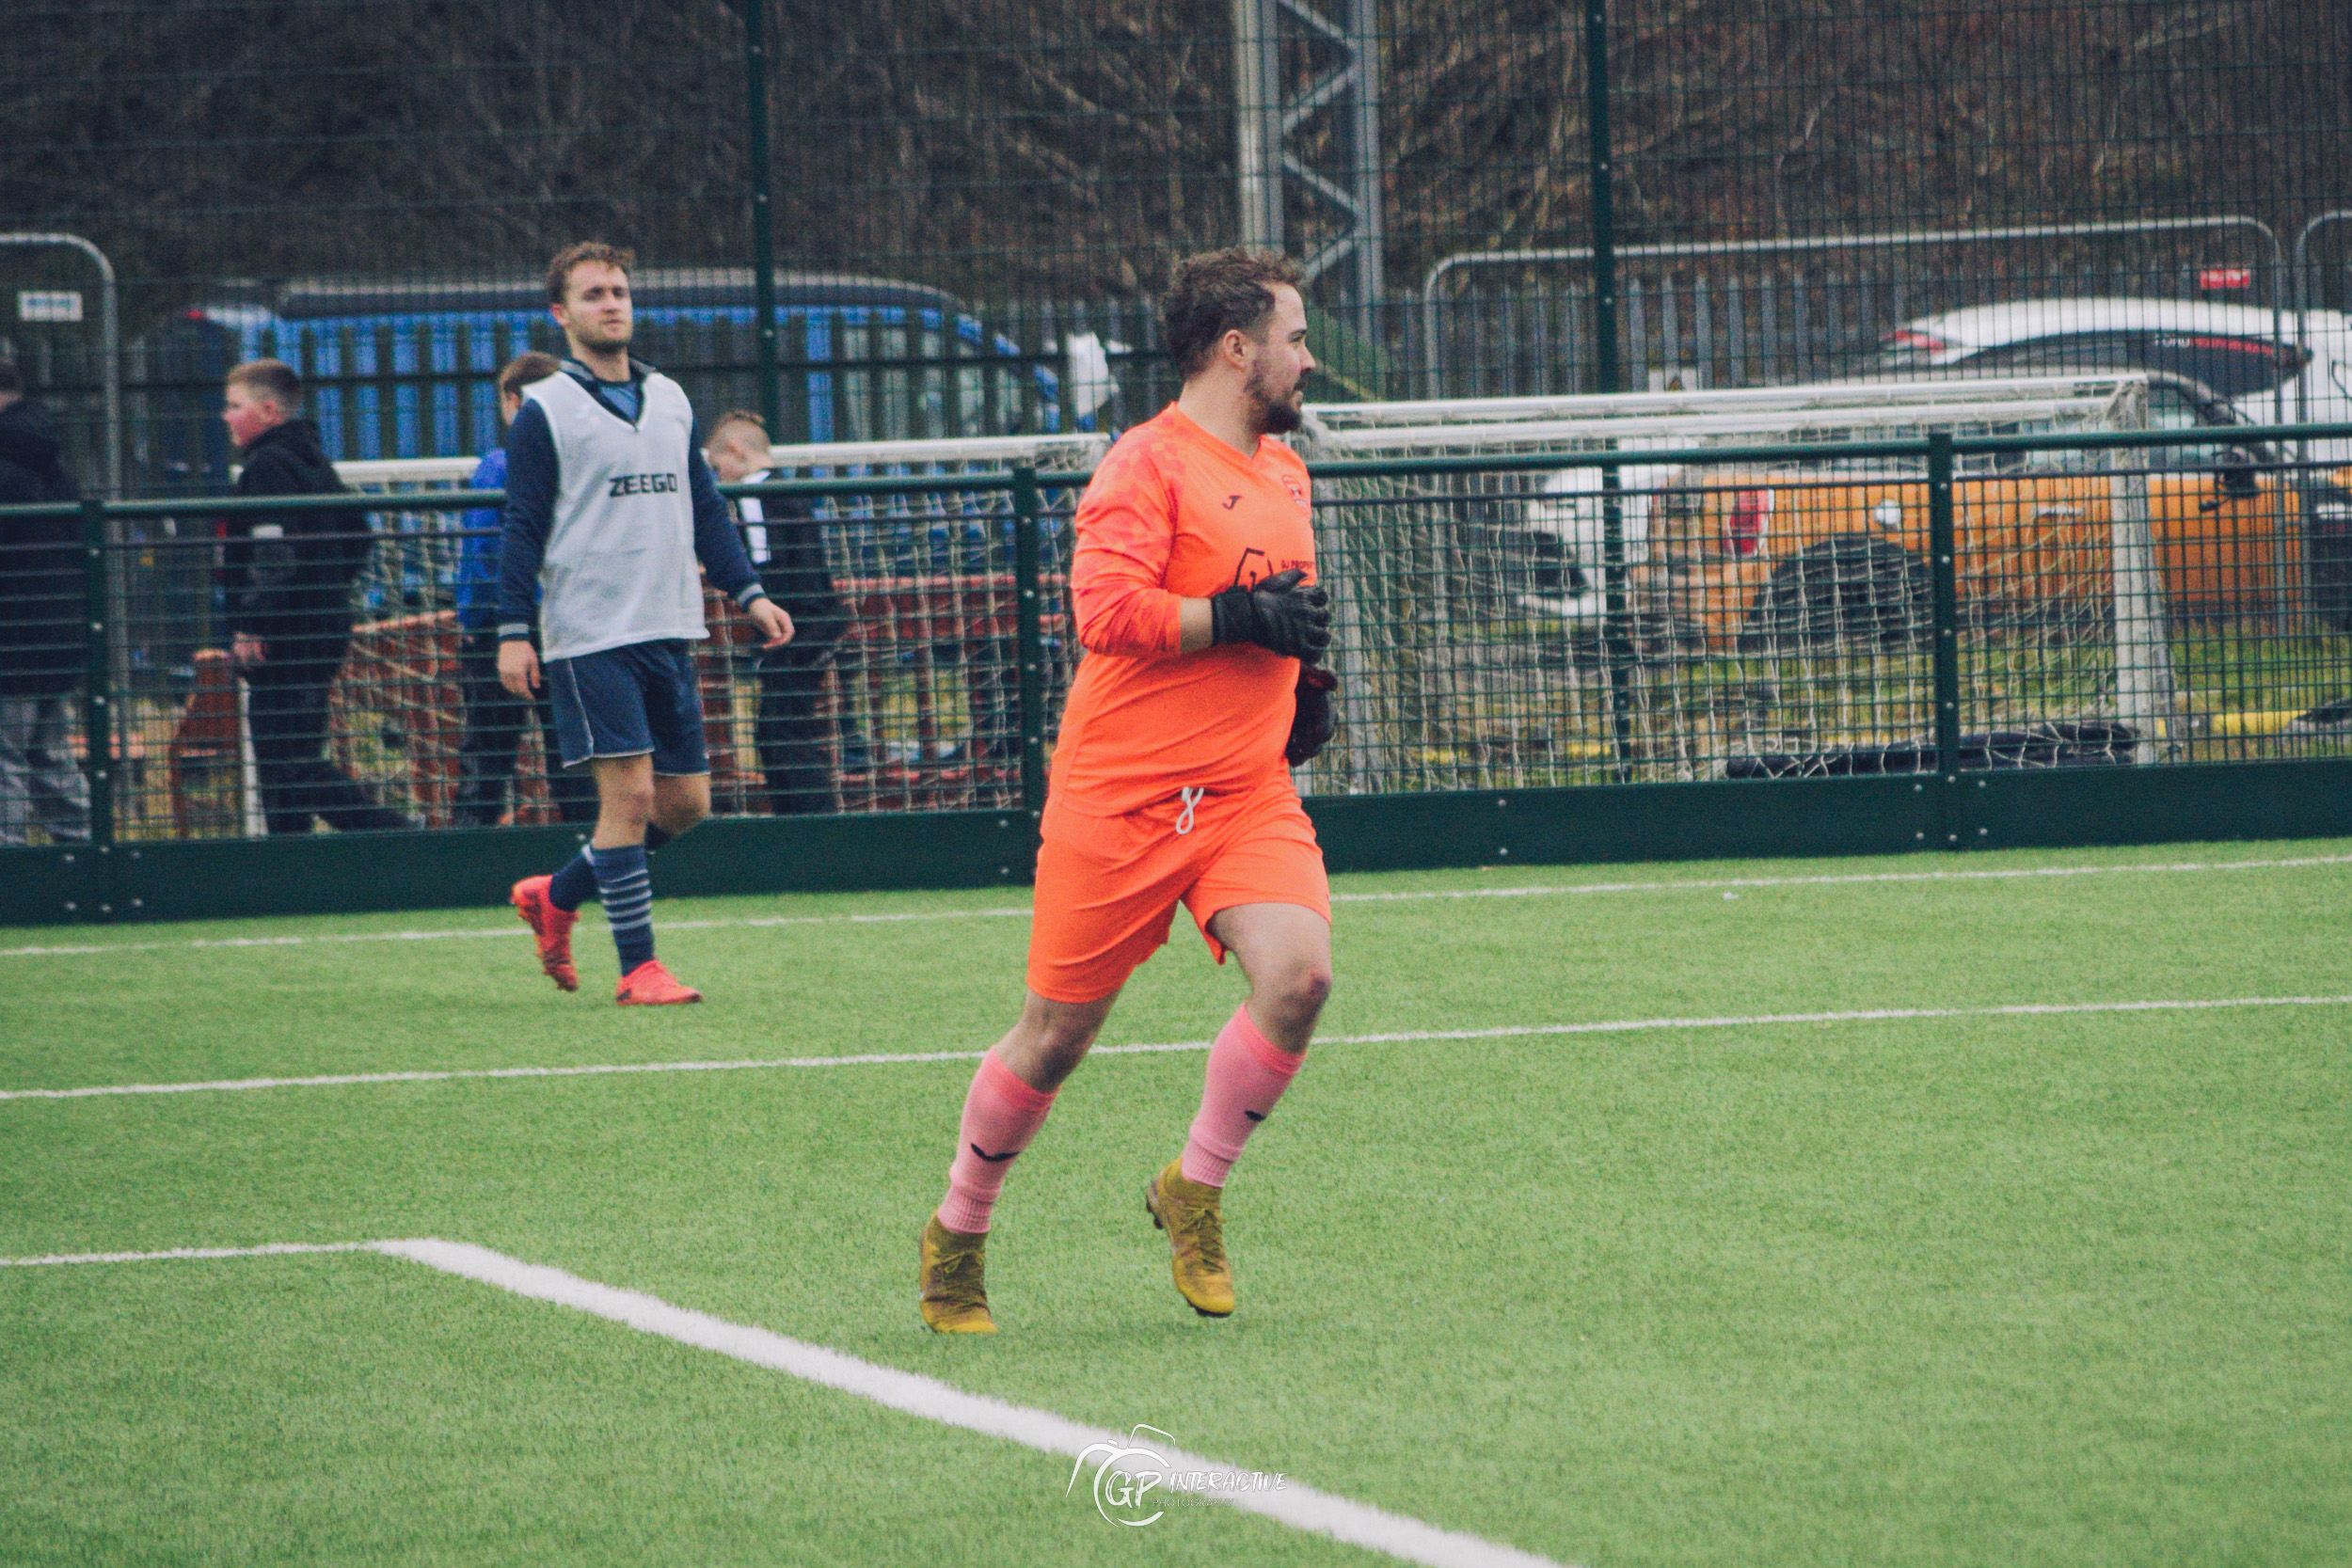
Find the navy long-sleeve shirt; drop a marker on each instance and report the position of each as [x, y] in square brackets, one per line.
[531, 486]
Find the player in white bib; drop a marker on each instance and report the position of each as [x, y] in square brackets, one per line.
[610, 510]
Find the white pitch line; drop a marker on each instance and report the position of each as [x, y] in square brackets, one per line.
[1508, 1031]
[275, 1249]
[887, 917]
[894, 917]
[1300, 1506]
[1842, 879]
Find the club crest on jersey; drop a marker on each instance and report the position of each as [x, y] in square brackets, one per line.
[642, 485]
[1297, 487]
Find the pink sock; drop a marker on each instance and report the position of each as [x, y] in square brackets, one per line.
[1001, 1115]
[1247, 1075]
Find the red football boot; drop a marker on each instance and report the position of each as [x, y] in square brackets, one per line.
[649, 985]
[552, 927]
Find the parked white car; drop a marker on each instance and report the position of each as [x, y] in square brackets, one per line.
[2270, 369]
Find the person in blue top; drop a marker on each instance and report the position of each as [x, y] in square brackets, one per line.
[496, 718]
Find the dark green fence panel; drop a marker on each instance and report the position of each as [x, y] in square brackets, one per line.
[2257, 746]
[2052, 808]
[742, 856]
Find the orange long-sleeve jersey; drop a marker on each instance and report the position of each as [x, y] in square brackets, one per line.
[1175, 513]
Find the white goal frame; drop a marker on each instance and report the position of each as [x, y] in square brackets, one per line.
[1563, 501]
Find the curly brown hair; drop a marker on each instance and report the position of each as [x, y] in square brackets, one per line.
[560, 269]
[1219, 292]
[524, 369]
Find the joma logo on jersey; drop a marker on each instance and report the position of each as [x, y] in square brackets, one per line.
[643, 484]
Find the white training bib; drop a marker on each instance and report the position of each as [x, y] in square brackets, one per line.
[620, 563]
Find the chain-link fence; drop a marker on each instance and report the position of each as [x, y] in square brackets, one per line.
[238, 711]
[2092, 596]
[1729, 613]
[949, 220]
[948, 223]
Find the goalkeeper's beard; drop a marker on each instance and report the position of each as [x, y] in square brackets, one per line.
[1271, 415]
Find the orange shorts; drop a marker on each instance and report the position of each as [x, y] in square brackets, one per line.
[1107, 887]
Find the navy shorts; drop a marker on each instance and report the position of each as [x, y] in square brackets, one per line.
[628, 703]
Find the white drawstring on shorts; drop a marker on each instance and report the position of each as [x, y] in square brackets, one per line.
[1191, 798]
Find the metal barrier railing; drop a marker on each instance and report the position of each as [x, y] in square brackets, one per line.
[1936, 606]
[1433, 331]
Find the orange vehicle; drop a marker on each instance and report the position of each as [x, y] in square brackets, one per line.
[1752, 558]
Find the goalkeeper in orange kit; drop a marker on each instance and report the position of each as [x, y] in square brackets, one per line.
[1194, 586]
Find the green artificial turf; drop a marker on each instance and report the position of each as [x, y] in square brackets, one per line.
[2057, 1289]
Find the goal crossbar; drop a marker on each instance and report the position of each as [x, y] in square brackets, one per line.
[1614, 406]
[1806, 423]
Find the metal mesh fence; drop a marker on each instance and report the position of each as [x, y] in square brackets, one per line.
[948, 223]
[380, 705]
[1764, 614]
[949, 220]
[2099, 598]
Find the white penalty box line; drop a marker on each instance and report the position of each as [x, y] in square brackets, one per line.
[1405, 896]
[1294, 1504]
[1399, 1036]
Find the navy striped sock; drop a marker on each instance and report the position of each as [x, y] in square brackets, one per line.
[626, 889]
[575, 884]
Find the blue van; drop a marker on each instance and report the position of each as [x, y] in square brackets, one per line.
[402, 369]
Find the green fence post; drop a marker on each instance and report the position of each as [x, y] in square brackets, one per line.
[763, 221]
[1030, 608]
[1605, 366]
[1943, 551]
[98, 695]
[1617, 642]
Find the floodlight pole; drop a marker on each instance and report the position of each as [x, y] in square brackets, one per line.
[1270, 132]
[1257, 124]
[763, 215]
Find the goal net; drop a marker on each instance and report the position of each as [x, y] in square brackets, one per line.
[1680, 616]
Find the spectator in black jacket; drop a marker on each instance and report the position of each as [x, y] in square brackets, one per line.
[287, 579]
[782, 537]
[44, 618]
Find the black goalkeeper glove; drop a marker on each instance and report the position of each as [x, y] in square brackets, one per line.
[1310, 729]
[1278, 615]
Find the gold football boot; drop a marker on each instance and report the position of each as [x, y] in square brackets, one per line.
[1189, 1213]
[955, 1285]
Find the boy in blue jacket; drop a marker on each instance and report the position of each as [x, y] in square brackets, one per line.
[495, 718]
